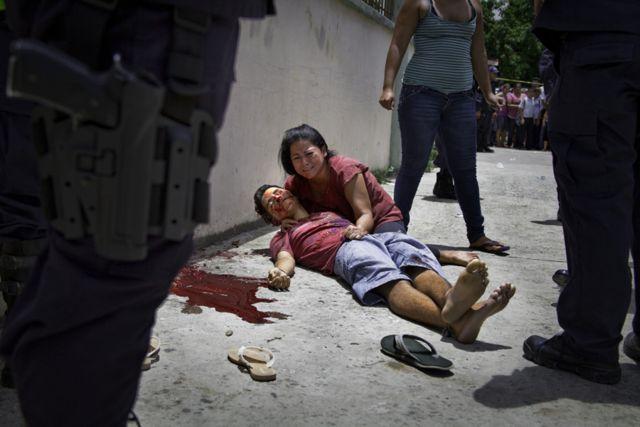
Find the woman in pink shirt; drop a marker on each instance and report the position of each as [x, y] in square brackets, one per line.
[324, 181]
[513, 116]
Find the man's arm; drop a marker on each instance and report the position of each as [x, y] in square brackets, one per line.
[280, 275]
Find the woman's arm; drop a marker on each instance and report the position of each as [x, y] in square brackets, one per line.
[280, 276]
[405, 26]
[479, 60]
[357, 195]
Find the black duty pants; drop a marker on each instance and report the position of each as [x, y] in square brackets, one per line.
[594, 134]
[78, 334]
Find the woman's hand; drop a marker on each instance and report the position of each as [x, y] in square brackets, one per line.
[387, 99]
[287, 224]
[494, 100]
[278, 279]
[354, 232]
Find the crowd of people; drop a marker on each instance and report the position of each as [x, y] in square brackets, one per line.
[521, 123]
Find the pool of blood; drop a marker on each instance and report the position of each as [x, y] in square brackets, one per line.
[225, 293]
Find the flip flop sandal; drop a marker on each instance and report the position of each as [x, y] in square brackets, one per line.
[414, 351]
[153, 353]
[258, 360]
[154, 347]
[489, 246]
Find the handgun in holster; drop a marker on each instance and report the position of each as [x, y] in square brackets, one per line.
[112, 165]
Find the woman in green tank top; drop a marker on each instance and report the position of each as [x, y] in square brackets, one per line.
[437, 98]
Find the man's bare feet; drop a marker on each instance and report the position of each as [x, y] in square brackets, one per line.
[461, 258]
[468, 288]
[466, 330]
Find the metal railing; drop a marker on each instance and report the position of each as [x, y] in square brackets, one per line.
[384, 7]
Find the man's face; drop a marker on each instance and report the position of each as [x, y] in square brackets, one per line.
[279, 203]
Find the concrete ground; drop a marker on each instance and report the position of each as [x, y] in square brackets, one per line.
[330, 370]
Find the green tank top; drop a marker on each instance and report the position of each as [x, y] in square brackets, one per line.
[442, 57]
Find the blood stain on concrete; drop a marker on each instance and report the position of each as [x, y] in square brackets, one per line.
[226, 254]
[262, 252]
[225, 293]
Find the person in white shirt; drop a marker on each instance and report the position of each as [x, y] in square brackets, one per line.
[530, 112]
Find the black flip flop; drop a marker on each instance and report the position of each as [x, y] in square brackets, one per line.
[414, 351]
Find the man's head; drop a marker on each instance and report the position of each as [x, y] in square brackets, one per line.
[517, 89]
[273, 203]
[493, 72]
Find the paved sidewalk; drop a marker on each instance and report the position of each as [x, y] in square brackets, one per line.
[330, 368]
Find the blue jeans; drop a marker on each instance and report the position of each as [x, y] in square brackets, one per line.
[378, 259]
[423, 113]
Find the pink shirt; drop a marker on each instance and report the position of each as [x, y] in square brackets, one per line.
[342, 170]
[313, 241]
[512, 112]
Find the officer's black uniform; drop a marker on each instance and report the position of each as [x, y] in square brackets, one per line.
[594, 134]
[78, 334]
[23, 227]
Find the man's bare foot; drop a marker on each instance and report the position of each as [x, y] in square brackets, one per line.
[461, 258]
[466, 330]
[468, 288]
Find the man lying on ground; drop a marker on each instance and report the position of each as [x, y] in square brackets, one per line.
[392, 267]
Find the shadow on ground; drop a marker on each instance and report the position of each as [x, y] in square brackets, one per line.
[439, 200]
[547, 222]
[535, 384]
[477, 346]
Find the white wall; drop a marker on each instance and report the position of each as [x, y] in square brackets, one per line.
[318, 62]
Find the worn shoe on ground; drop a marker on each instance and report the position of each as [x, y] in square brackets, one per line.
[6, 377]
[555, 354]
[561, 277]
[631, 346]
[444, 188]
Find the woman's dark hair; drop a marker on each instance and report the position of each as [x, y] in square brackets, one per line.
[257, 201]
[306, 132]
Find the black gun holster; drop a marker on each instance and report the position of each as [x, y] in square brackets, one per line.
[146, 176]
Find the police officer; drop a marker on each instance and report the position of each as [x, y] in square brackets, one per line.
[594, 135]
[78, 334]
[22, 224]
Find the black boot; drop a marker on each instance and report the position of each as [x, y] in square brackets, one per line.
[6, 378]
[443, 188]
